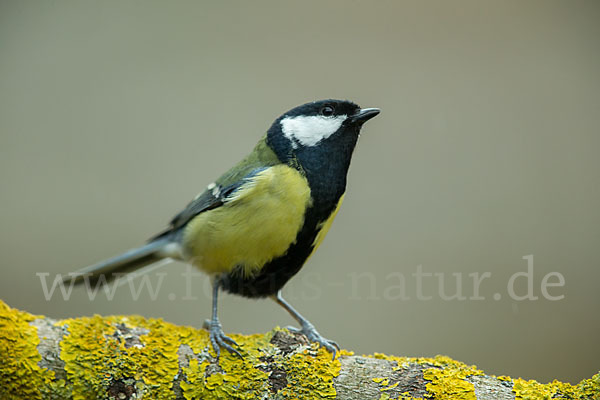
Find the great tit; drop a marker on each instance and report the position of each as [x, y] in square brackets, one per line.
[253, 228]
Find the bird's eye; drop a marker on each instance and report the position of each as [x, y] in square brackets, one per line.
[327, 111]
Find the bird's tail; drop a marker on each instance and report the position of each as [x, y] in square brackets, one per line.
[129, 261]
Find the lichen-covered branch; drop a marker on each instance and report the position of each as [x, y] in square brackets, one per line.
[134, 358]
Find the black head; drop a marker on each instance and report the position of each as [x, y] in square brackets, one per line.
[322, 127]
[318, 138]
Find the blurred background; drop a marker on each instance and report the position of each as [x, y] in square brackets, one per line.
[113, 115]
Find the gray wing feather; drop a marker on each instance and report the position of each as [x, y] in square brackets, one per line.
[129, 261]
[208, 200]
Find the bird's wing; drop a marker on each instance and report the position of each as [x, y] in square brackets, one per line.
[260, 158]
[214, 196]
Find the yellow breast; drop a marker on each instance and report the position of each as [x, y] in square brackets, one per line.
[258, 223]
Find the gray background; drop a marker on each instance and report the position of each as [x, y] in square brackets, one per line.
[114, 114]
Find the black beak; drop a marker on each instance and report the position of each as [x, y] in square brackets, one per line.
[365, 114]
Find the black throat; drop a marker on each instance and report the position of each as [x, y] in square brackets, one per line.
[325, 165]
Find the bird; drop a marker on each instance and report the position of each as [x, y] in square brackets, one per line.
[253, 228]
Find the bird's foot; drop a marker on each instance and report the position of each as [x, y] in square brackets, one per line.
[218, 338]
[313, 335]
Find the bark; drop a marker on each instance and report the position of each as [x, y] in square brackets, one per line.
[129, 357]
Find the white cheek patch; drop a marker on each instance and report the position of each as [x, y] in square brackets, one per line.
[310, 130]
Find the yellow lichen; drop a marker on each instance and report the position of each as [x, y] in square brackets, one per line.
[97, 355]
[156, 356]
[407, 396]
[20, 375]
[399, 360]
[447, 376]
[155, 361]
[588, 389]
[390, 387]
[233, 378]
[310, 375]
[449, 380]
[448, 384]
[344, 352]
[92, 361]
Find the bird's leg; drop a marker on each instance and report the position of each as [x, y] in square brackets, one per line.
[307, 328]
[218, 338]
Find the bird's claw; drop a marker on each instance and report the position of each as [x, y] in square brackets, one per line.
[218, 338]
[313, 335]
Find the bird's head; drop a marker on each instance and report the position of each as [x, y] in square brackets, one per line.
[319, 133]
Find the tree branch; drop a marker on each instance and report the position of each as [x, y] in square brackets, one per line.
[130, 357]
